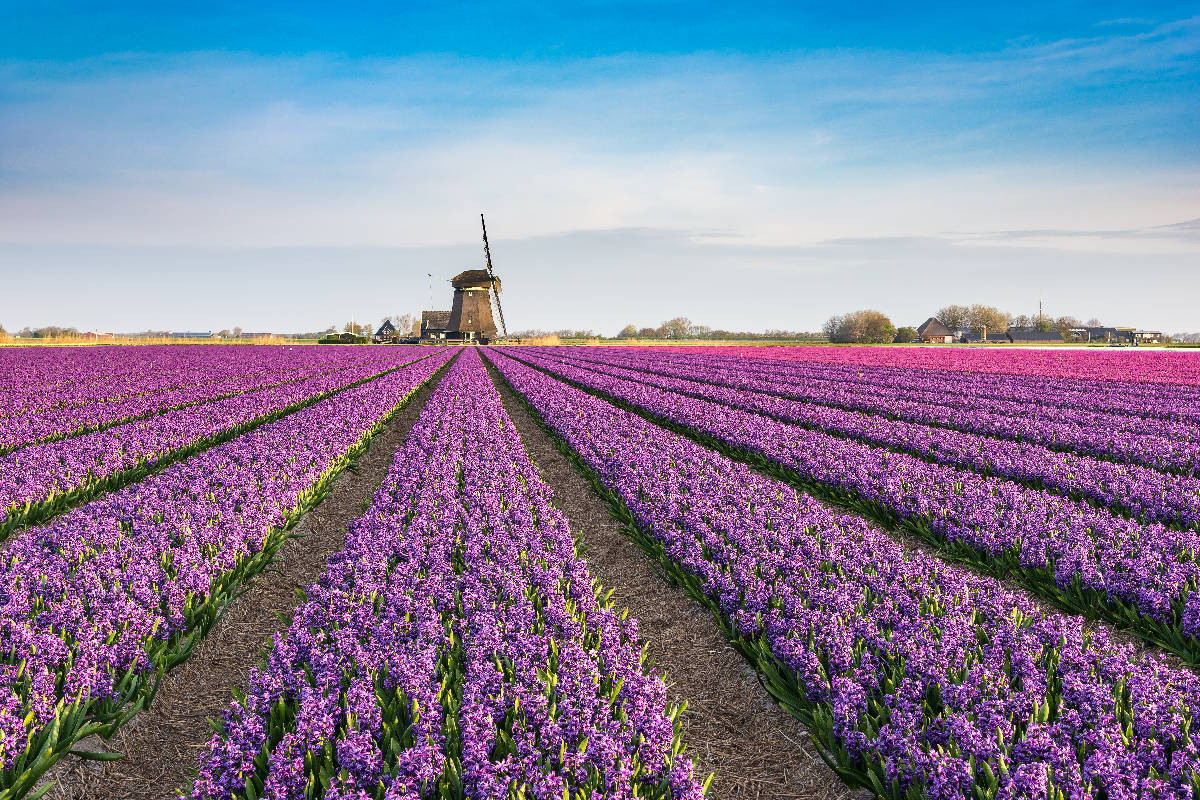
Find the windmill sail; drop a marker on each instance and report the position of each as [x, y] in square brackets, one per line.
[487, 252]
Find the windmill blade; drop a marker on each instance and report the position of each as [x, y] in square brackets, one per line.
[487, 253]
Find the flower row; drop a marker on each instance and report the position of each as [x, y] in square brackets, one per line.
[918, 678]
[71, 420]
[1146, 449]
[456, 646]
[1171, 368]
[97, 604]
[38, 379]
[1145, 493]
[1138, 574]
[41, 480]
[1087, 402]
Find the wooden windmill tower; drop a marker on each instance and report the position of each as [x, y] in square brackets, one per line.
[471, 313]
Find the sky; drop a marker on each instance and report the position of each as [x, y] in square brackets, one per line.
[198, 166]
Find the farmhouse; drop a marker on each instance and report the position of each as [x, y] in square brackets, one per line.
[386, 332]
[932, 331]
[434, 324]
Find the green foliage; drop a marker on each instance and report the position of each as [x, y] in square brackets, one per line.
[866, 326]
[905, 333]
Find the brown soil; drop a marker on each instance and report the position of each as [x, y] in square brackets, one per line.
[164, 744]
[732, 727]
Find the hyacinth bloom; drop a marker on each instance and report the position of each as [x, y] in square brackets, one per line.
[1151, 408]
[83, 407]
[913, 674]
[38, 379]
[39, 474]
[1152, 442]
[1170, 368]
[1146, 493]
[1141, 574]
[455, 647]
[95, 603]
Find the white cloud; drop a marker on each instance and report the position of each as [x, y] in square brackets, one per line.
[852, 170]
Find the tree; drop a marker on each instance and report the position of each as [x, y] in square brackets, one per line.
[1064, 324]
[628, 332]
[905, 334]
[1095, 323]
[989, 318]
[223, 334]
[954, 317]
[647, 333]
[865, 326]
[676, 328]
[408, 324]
[1020, 321]
[237, 332]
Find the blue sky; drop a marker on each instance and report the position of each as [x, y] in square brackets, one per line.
[293, 165]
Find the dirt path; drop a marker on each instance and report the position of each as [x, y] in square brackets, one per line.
[732, 727]
[163, 745]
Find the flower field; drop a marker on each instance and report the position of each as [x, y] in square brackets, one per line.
[967, 573]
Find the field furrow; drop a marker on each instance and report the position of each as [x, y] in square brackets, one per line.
[1143, 576]
[105, 599]
[917, 677]
[457, 647]
[41, 481]
[79, 418]
[1152, 449]
[1140, 492]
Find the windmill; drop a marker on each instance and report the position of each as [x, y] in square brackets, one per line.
[487, 252]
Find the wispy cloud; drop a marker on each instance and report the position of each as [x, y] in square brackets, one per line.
[864, 167]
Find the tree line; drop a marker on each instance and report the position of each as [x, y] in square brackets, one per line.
[684, 328]
[868, 326]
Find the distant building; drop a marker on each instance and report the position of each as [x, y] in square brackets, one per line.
[1032, 336]
[386, 332]
[190, 334]
[471, 313]
[434, 324]
[932, 331]
[1147, 337]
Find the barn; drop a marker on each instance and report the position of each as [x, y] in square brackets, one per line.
[932, 331]
[434, 324]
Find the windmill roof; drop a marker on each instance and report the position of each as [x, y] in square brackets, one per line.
[471, 277]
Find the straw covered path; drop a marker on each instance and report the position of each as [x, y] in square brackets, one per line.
[732, 727]
[164, 744]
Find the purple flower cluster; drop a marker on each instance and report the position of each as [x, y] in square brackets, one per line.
[1125, 404]
[916, 676]
[1145, 493]
[37, 379]
[1156, 443]
[205, 379]
[95, 604]
[456, 647]
[1141, 574]
[38, 475]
